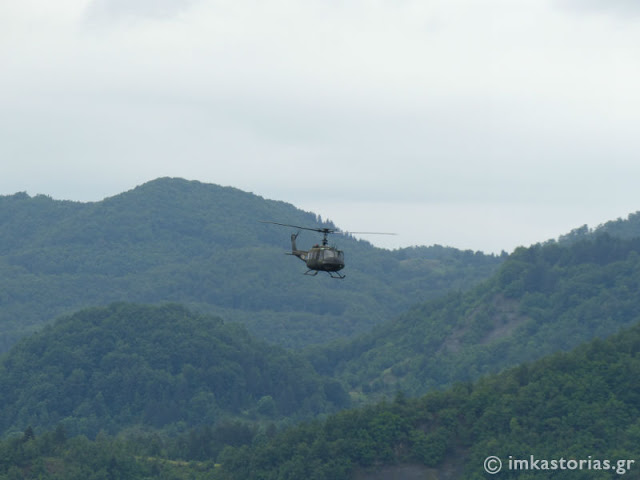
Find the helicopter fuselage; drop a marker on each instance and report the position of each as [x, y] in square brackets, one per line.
[320, 258]
[326, 259]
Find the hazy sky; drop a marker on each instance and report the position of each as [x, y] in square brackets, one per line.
[481, 125]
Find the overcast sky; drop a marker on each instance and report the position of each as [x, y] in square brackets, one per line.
[481, 125]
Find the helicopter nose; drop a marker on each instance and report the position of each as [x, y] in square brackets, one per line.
[334, 263]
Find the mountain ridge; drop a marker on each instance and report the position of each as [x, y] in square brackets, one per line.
[202, 245]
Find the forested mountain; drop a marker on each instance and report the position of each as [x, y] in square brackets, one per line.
[111, 368]
[621, 228]
[174, 387]
[202, 245]
[569, 415]
[544, 298]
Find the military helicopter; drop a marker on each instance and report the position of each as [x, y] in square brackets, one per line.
[321, 258]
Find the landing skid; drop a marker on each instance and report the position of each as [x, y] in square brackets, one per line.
[313, 273]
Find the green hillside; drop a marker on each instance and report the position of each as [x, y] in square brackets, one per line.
[112, 368]
[580, 410]
[543, 299]
[576, 413]
[202, 245]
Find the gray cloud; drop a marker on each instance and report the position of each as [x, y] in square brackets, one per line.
[107, 11]
[622, 8]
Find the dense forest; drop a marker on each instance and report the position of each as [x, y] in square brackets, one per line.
[581, 405]
[580, 409]
[172, 240]
[544, 298]
[107, 369]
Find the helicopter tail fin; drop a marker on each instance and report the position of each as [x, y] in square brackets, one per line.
[301, 254]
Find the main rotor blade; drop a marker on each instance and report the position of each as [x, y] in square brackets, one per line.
[321, 230]
[367, 233]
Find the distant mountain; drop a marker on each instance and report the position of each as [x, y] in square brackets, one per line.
[203, 245]
[543, 299]
[111, 368]
[621, 228]
[569, 415]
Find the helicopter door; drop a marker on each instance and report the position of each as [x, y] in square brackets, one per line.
[314, 258]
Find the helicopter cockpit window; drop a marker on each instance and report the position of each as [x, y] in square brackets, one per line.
[333, 254]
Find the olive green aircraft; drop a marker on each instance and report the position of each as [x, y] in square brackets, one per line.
[321, 258]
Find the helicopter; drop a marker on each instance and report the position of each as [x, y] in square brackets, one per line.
[321, 258]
